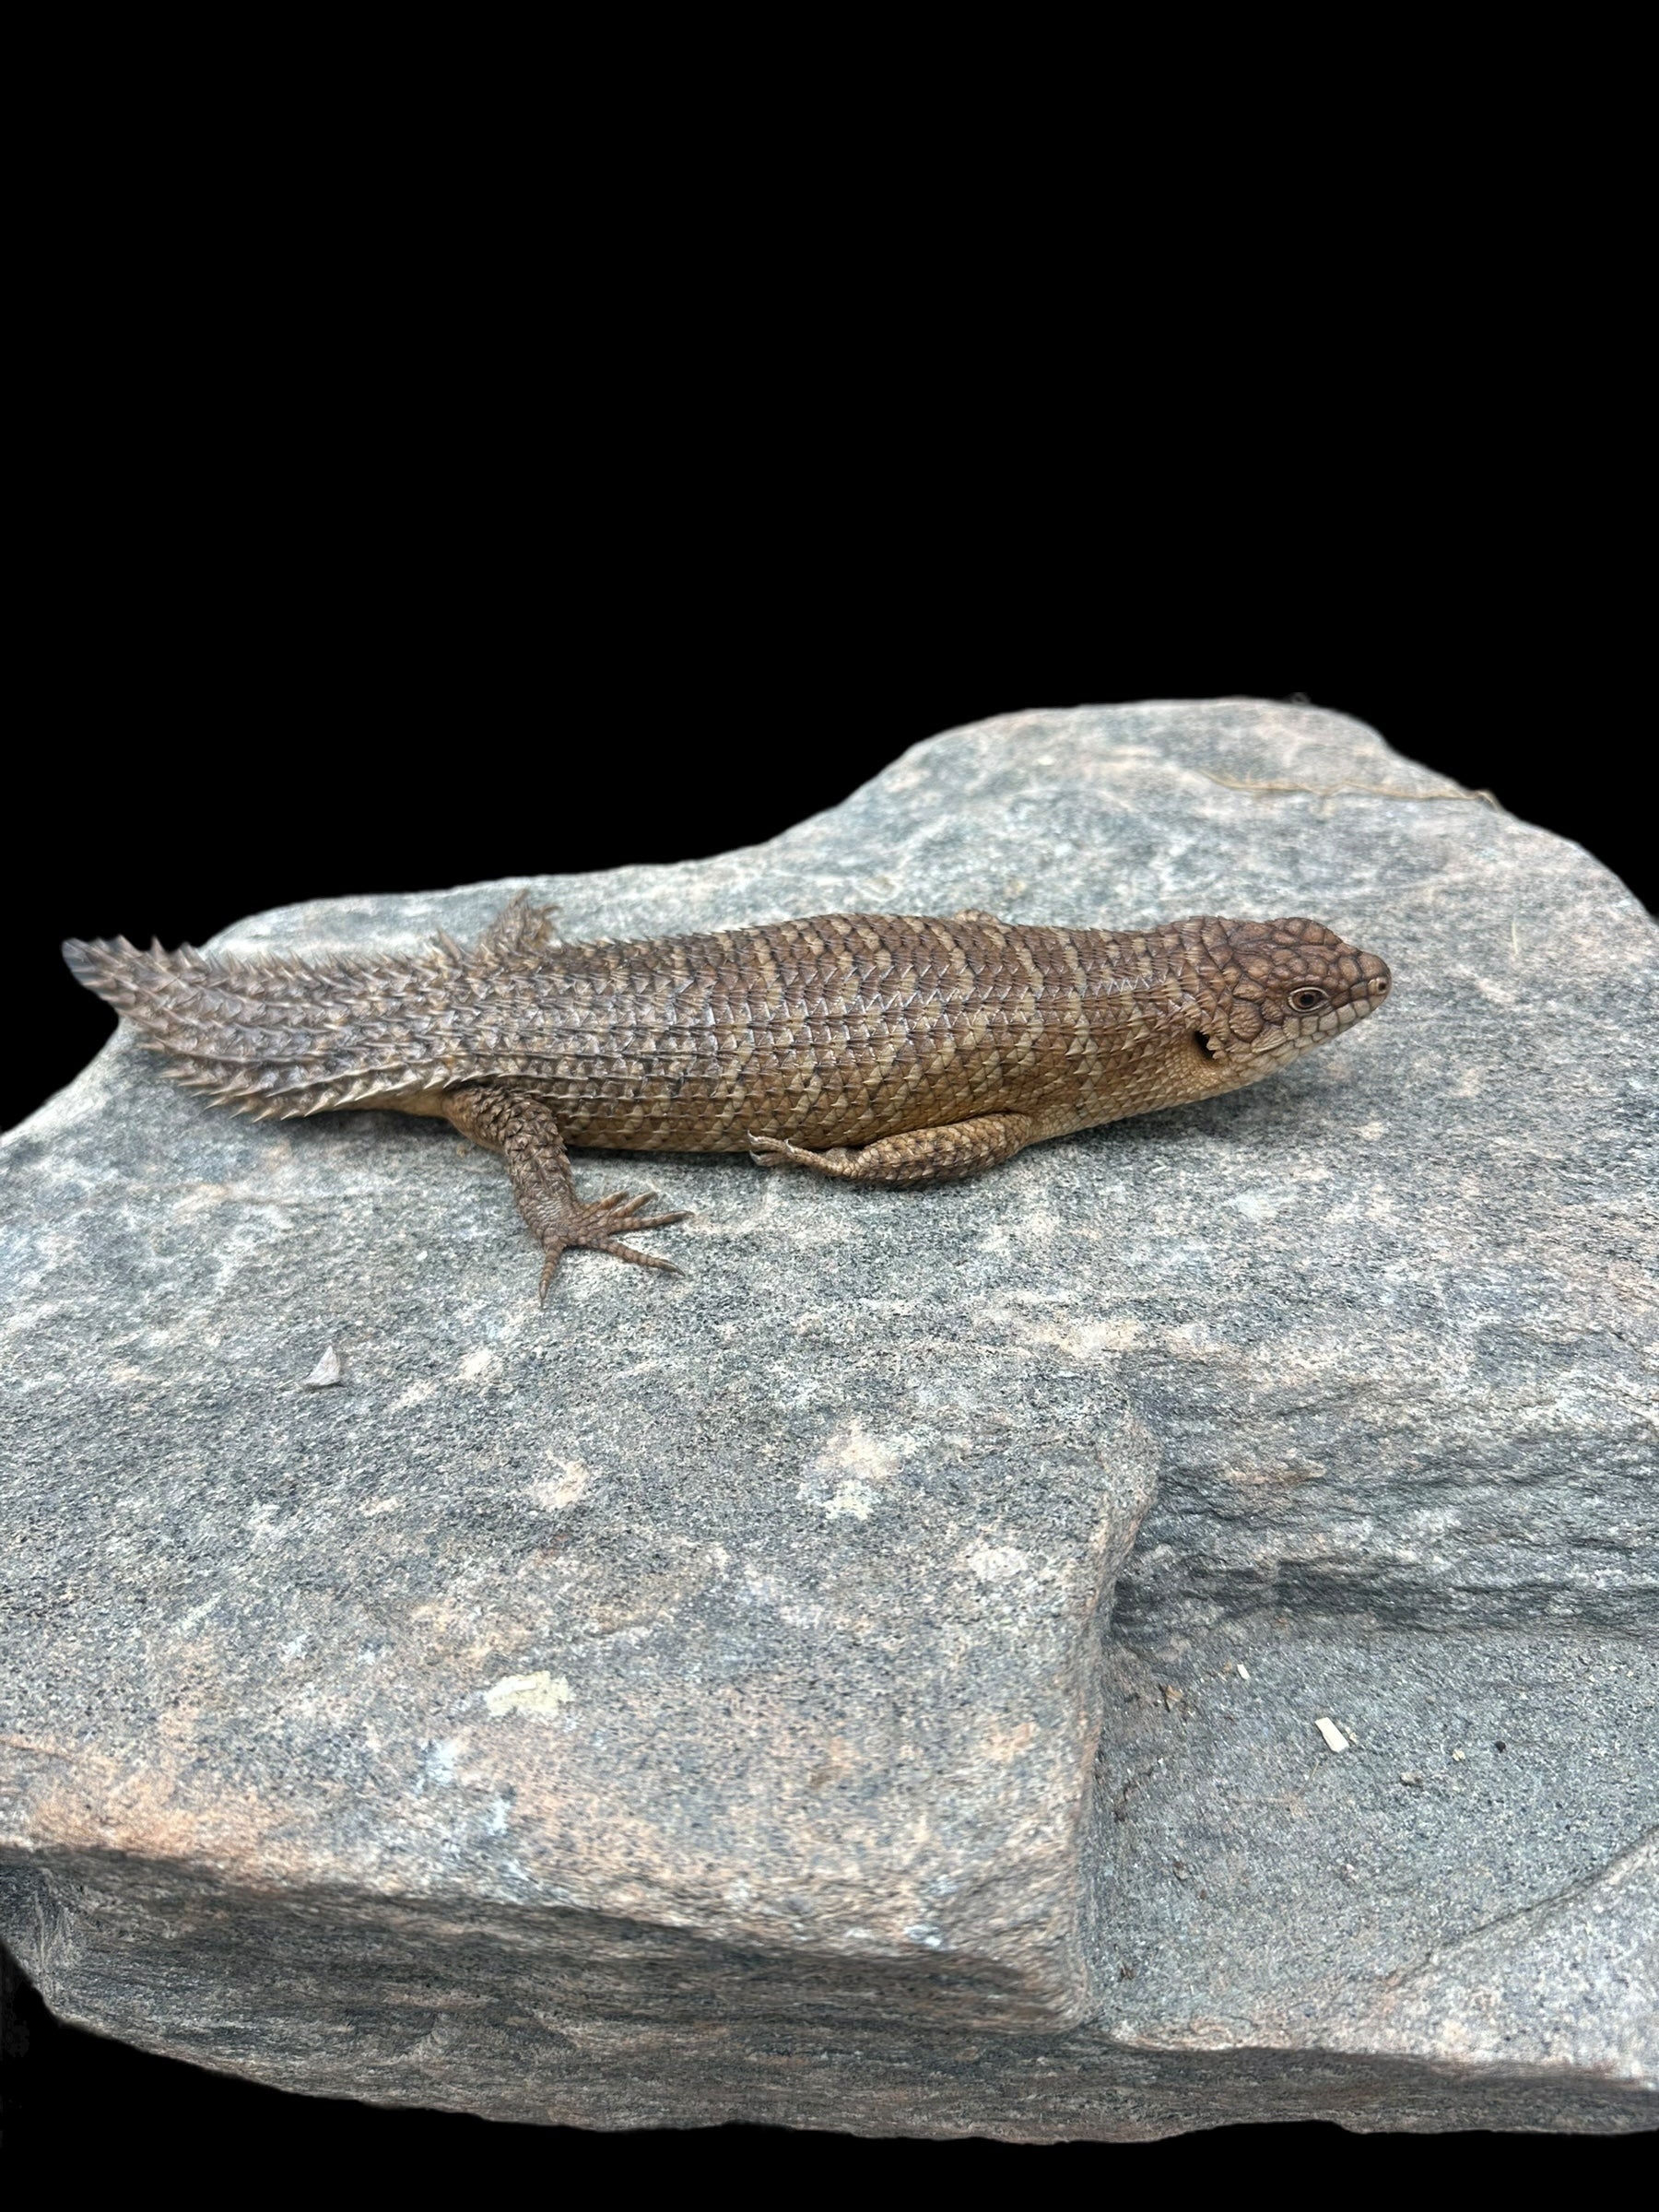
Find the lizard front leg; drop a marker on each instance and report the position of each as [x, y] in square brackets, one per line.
[523, 1131]
[918, 1155]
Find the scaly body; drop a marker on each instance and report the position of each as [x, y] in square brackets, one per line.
[875, 1048]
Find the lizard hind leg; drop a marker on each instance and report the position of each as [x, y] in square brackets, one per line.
[523, 1131]
[947, 1154]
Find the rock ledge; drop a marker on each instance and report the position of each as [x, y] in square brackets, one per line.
[887, 1677]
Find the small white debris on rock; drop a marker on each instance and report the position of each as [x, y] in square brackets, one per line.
[1244, 1671]
[326, 1372]
[1332, 1734]
[1457, 1755]
[1412, 1781]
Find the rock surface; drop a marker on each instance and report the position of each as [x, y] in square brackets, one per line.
[875, 1679]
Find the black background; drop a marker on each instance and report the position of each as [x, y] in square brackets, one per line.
[388, 527]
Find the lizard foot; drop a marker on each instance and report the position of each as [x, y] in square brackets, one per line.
[596, 1227]
[777, 1152]
[944, 1154]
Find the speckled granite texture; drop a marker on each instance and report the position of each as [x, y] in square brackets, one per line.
[873, 1680]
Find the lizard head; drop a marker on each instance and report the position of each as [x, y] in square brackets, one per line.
[1269, 990]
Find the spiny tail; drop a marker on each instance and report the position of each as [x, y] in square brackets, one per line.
[277, 1036]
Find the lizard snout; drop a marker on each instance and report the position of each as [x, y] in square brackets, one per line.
[1366, 991]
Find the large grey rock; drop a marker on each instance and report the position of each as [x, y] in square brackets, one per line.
[705, 1698]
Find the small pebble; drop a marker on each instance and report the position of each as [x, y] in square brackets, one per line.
[327, 1369]
[1332, 1734]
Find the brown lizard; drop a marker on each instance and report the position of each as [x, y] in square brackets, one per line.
[876, 1048]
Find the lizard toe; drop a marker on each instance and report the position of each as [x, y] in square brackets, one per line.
[592, 1226]
[777, 1152]
[619, 1251]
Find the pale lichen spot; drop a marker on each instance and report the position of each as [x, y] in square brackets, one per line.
[1117, 1333]
[1001, 1746]
[481, 1366]
[567, 1483]
[438, 1764]
[996, 1562]
[537, 1693]
[188, 1623]
[845, 1479]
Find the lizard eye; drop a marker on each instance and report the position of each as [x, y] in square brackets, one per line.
[1308, 999]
